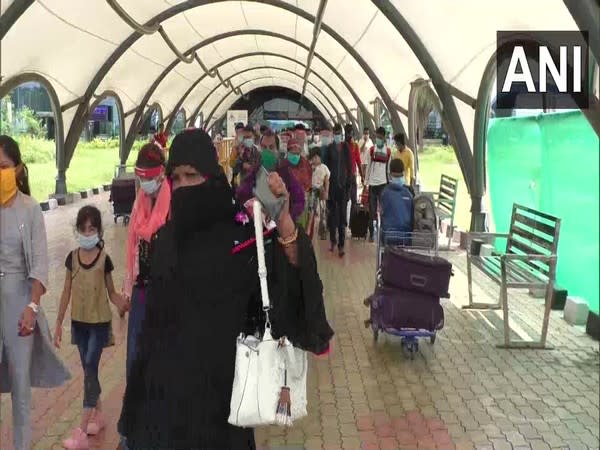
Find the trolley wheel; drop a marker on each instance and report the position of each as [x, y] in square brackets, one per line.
[411, 347]
[375, 334]
[413, 352]
[115, 218]
[126, 220]
[432, 339]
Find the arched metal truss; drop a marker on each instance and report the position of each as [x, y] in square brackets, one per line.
[59, 139]
[120, 111]
[216, 88]
[296, 61]
[199, 107]
[12, 14]
[192, 117]
[131, 136]
[77, 125]
[585, 13]
[317, 103]
[455, 126]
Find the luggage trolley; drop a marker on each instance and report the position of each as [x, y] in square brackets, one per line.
[423, 243]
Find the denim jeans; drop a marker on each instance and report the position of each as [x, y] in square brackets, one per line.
[375, 193]
[91, 338]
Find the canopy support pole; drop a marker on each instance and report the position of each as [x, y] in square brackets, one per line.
[586, 14]
[450, 112]
[313, 44]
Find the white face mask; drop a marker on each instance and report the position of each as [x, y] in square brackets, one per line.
[248, 142]
[149, 186]
[325, 140]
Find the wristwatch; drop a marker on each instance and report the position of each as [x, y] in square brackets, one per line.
[34, 307]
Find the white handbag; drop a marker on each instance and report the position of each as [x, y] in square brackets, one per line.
[269, 387]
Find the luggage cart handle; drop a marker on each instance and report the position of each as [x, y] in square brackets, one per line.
[418, 280]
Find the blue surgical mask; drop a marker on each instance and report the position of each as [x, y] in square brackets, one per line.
[379, 142]
[337, 138]
[88, 242]
[248, 142]
[398, 180]
[325, 140]
[149, 186]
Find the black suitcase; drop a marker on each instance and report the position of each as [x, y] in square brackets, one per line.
[122, 196]
[359, 222]
[393, 308]
[419, 273]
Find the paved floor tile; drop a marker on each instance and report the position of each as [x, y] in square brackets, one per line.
[460, 393]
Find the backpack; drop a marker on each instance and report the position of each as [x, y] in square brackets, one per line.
[379, 156]
[425, 222]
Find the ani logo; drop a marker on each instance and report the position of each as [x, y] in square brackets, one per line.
[545, 69]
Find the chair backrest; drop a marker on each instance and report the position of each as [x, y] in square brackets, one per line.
[533, 233]
[447, 195]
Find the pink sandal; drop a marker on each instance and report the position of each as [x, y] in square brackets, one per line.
[96, 424]
[77, 441]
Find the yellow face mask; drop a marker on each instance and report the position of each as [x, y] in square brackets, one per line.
[8, 185]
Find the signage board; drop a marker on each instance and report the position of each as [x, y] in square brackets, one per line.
[234, 116]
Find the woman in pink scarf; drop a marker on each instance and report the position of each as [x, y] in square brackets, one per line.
[150, 212]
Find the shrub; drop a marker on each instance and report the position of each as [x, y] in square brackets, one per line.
[35, 150]
[99, 144]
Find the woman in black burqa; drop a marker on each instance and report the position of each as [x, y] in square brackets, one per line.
[203, 291]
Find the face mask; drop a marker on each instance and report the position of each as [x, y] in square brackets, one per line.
[268, 159]
[8, 185]
[88, 242]
[293, 158]
[398, 180]
[379, 142]
[337, 138]
[150, 186]
[325, 140]
[248, 142]
[201, 206]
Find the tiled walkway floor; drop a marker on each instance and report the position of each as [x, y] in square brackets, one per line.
[460, 393]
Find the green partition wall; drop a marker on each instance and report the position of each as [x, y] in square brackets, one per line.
[550, 162]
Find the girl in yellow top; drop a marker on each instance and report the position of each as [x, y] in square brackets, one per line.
[87, 282]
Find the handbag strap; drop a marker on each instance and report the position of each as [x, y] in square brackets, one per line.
[260, 251]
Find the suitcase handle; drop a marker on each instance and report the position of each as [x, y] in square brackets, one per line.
[418, 280]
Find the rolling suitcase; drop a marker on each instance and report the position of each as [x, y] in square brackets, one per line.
[122, 196]
[393, 308]
[359, 222]
[419, 273]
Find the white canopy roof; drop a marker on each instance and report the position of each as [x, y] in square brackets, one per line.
[68, 41]
[363, 50]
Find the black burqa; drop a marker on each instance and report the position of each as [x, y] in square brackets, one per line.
[200, 296]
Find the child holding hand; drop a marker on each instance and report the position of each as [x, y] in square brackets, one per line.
[88, 281]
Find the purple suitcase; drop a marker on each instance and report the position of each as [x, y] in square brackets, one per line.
[397, 308]
[420, 273]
